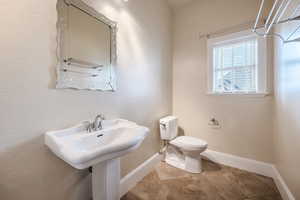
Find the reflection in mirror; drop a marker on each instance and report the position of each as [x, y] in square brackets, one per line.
[87, 47]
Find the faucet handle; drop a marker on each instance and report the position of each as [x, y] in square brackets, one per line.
[102, 116]
[88, 125]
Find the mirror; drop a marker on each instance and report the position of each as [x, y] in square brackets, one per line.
[86, 48]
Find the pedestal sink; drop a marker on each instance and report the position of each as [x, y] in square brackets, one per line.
[100, 149]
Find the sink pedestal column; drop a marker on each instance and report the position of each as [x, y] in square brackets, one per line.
[106, 180]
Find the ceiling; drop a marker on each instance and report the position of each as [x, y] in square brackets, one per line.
[177, 3]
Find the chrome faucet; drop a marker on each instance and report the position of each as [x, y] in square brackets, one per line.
[97, 124]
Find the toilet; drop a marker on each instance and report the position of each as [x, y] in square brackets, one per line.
[184, 151]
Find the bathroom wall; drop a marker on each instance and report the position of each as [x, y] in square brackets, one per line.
[287, 103]
[30, 106]
[246, 122]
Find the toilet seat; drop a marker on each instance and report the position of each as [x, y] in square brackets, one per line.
[189, 143]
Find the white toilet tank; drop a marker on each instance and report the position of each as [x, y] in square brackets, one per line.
[168, 127]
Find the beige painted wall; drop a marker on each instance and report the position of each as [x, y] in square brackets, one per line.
[246, 122]
[287, 104]
[30, 106]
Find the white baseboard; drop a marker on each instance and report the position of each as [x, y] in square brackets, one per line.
[282, 186]
[131, 179]
[258, 167]
[249, 165]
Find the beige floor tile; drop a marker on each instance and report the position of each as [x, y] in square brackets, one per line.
[217, 182]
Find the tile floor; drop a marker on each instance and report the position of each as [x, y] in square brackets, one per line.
[216, 182]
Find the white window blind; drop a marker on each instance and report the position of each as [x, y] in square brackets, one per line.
[235, 67]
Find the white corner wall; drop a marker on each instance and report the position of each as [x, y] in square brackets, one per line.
[286, 108]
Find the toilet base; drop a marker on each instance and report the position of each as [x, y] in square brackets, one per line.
[187, 163]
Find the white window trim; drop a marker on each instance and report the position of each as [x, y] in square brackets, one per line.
[262, 66]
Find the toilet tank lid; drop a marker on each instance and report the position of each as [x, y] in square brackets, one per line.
[167, 119]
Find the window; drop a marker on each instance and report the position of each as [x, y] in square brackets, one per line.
[237, 64]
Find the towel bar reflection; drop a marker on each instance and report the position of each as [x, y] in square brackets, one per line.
[82, 64]
[84, 73]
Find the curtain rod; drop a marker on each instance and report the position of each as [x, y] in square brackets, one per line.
[239, 27]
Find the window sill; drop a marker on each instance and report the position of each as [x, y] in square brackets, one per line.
[258, 95]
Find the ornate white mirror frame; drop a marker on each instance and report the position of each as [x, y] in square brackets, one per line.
[65, 79]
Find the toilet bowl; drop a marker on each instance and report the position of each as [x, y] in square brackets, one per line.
[184, 151]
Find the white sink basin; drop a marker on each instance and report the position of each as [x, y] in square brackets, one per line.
[100, 149]
[82, 149]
